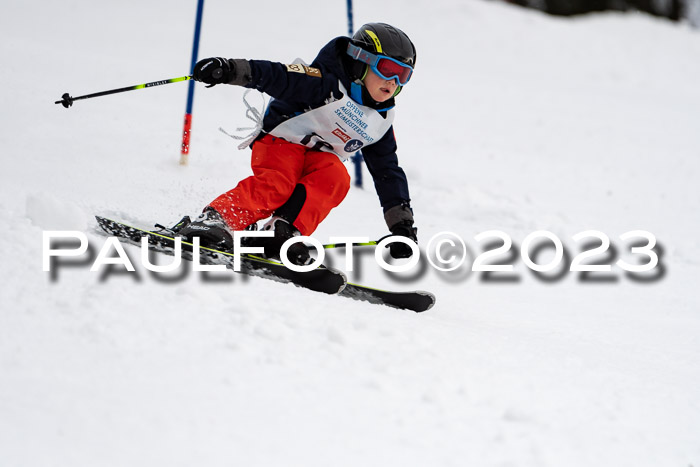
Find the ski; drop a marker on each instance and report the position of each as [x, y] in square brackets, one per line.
[321, 279]
[416, 300]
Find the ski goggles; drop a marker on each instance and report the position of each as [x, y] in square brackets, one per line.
[385, 67]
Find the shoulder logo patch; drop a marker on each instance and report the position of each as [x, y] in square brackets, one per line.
[299, 68]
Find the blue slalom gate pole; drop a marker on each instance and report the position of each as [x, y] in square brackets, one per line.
[351, 30]
[184, 153]
[357, 157]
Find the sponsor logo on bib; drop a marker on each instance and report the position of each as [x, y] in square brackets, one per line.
[353, 145]
[344, 137]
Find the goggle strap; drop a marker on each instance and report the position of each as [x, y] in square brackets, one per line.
[360, 54]
[353, 51]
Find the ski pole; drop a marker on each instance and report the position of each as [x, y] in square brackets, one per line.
[67, 100]
[329, 246]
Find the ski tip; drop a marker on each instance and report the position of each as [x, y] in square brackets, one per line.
[429, 296]
[342, 275]
[102, 223]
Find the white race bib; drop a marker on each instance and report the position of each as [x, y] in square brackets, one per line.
[341, 127]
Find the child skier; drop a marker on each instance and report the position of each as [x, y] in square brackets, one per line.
[319, 116]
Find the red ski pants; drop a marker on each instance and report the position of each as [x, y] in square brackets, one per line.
[278, 166]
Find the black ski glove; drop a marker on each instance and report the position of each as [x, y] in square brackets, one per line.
[214, 70]
[399, 219]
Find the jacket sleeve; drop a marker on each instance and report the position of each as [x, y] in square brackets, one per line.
[383, 164]
[295, 84]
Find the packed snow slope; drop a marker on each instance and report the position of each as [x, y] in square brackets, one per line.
[514, 121]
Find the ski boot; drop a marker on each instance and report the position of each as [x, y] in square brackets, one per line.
[298, 253]
[210, 227]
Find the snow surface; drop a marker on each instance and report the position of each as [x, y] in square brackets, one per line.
[514, 121]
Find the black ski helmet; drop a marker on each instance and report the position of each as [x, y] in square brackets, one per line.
[383, 39]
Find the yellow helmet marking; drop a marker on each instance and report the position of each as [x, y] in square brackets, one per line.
[374, 37]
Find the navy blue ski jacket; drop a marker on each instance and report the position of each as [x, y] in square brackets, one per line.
[297, 91]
